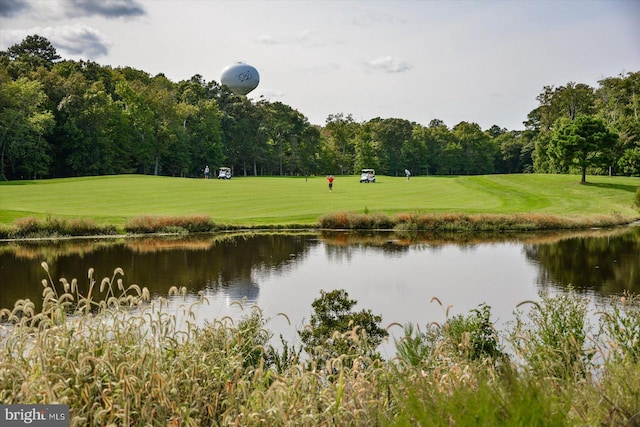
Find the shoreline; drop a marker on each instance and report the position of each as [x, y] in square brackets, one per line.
[53, 228]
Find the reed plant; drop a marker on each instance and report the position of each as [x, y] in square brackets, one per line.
[117, 356]
[355, 221]
[146, 224]
[451, 221]
[32, 227]
[552, 338]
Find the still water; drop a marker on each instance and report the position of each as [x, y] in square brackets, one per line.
[394, 275]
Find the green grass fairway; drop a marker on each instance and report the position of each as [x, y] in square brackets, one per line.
[296, 200]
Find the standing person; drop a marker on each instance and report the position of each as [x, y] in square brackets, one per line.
[206, 172]
[408, 174]
[330, 179]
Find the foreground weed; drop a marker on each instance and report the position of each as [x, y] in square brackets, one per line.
[620, 325]
[470, 338]
[118, 357]
[553, 340]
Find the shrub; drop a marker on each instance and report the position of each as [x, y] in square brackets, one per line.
[553, 342]
[417, 347]
[30, 227]
[468, 338]
[620, 323]
[355, 221]
[336, 331]
[473, 337]
[169, 224]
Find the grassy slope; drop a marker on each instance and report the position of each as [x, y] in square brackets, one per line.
[277, 200]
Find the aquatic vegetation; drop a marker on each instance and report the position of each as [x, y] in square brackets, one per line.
[32, 227]
[446, 222]
[170, 224]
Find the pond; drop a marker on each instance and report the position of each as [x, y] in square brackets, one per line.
[394, 275]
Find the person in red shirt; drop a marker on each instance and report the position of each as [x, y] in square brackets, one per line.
[330, 179]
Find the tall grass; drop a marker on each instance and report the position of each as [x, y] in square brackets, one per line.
[169, 224]
[32, 227]
[465, 222]
[118, 357]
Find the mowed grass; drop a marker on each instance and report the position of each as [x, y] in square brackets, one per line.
[259, 201]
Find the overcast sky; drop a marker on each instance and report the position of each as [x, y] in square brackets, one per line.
[475, 61]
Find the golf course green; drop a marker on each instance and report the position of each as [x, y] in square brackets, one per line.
[259, 201]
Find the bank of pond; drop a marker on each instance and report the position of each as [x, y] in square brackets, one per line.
[57, 227]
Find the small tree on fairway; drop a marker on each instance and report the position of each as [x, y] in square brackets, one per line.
[583, 142]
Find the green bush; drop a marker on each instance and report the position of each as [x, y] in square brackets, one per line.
[553, 340]
[473, 337]
[336, 331]
[469, 338]
[620, 323]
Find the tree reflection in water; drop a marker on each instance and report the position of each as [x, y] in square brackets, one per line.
[600, 262]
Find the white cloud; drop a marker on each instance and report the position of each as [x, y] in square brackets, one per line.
[267, 39]
[390, 64]
[79, 40]
[72, 40]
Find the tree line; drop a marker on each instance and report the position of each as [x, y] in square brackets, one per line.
[65, 118]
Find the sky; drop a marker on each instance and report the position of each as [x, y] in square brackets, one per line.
[482, 61]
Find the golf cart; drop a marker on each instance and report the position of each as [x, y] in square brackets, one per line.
[368, 175]
[225, 173]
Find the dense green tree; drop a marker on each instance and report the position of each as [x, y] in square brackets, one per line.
[30, 54]
[284, 127]
[243, 140]
[392, 135]
[514, 153]
[367, 149]
[141, 123]
[95, 119]
[414, 152]
[24, 123]
[438, 137]
[91, 124]
[205, 133]
[341, 131]
[584, 142]
[475, 149]
[567, 101]
[618, 100]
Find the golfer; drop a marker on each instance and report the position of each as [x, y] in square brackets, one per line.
[330, 179]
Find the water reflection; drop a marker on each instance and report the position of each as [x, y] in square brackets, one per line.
[390, 273]
[224, 264]
[601, 265]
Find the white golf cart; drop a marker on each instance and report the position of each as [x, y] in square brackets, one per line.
[368, 175]
[225, 173]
